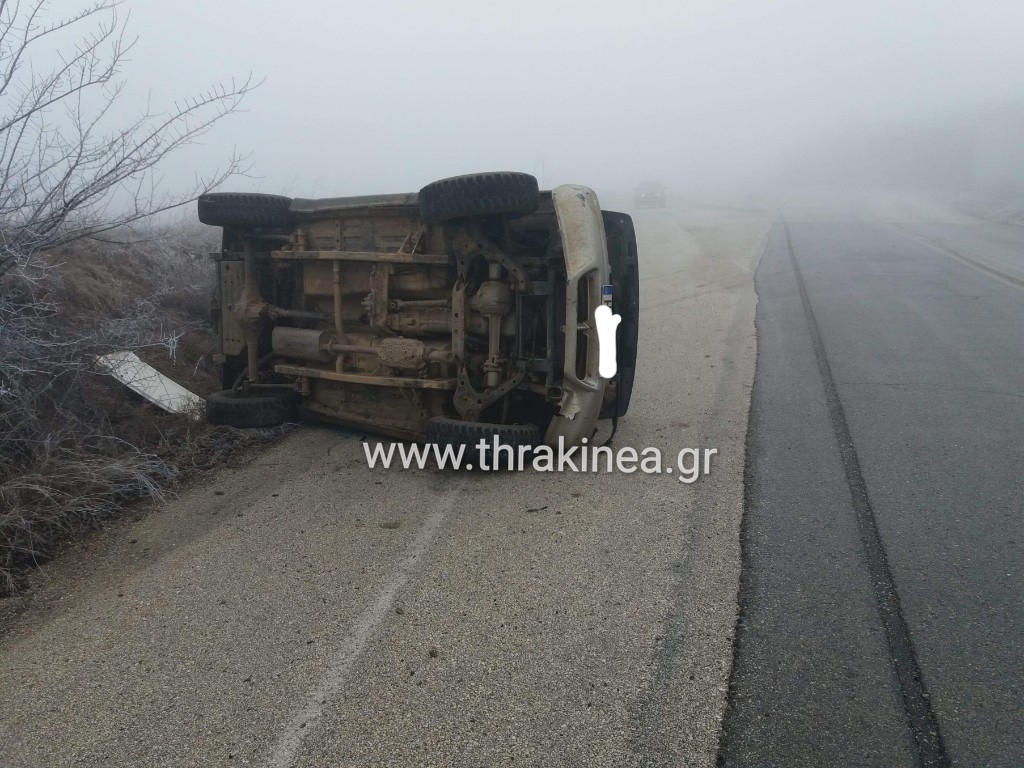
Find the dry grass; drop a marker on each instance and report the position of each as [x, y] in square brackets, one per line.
[76, 446]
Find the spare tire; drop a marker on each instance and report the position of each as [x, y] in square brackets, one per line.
[244, 209]
[479, 194]
[442, 431]
[235, 409]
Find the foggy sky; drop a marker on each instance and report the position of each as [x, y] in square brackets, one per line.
[365, 97]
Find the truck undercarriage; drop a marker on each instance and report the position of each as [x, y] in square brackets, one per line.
[464, 311]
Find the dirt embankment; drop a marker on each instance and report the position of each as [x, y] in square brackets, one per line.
[75, 446]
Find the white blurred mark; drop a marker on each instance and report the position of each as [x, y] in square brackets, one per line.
[606, 325]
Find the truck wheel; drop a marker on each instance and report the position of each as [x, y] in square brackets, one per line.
[622, 259]
[442, 431]
[243, 209]
[234, 409]
[479, 194]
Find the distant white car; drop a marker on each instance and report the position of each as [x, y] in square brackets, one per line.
[650, 194]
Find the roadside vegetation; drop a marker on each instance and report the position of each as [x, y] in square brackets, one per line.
[82, 273]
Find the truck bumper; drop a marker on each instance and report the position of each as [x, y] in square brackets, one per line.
[586, 263]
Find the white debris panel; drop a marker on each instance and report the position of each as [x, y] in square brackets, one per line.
[147, 381]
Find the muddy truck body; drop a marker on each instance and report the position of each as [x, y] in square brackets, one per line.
[464, 311]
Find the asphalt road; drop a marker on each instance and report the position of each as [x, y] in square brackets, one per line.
[303, 610]
[882, 598]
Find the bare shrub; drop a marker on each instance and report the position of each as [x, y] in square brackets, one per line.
[75, 282]
[76, 446]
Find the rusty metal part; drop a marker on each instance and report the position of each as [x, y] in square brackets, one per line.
[275, 313]
[232, 279]
[424, 321]
[427, 283]
[336, 205]
[469, 242]
[436, 321]
[319, 346]
[373, 256]
[398, 304]
[302, 343]
[412, 242]
[339, 361]
[377, 301]
[249, 312]
[358, 378]
[404, 354]
[492, 370]
[458, 318]
[318, 277]
[493, 298]
[492, 367]
[469, 402]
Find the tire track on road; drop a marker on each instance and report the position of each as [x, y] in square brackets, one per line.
[923, 724]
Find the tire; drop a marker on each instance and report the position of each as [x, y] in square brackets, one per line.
[249, 411]
[479, 194]
[242, 209]
[625, 303]
[442, 431]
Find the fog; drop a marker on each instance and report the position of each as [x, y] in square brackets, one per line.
[713, 98]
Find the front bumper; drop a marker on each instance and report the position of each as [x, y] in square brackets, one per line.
[586, 264]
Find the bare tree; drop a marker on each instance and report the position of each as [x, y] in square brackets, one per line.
[64, 172]
[71, 168]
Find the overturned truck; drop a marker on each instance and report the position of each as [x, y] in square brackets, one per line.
[464, 311]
